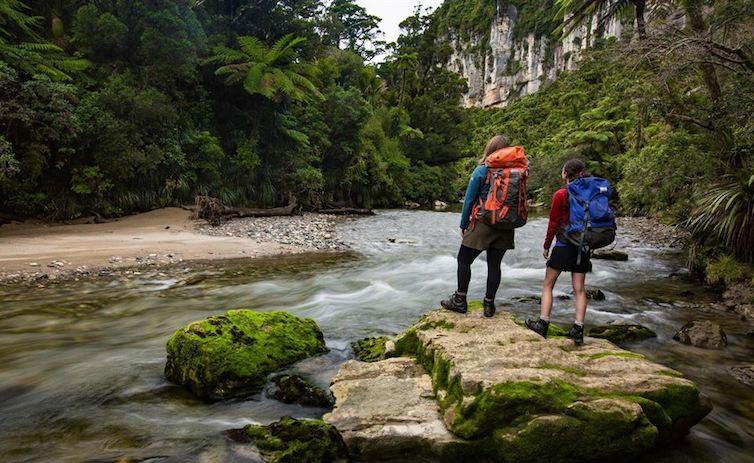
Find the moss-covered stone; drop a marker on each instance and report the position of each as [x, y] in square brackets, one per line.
[295, 441]
[524, 399]
[621, 333]
[370, 349]
[293, 389]
[231, 355]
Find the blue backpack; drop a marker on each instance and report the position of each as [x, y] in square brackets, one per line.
[591, 223]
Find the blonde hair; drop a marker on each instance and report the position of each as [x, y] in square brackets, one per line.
[496, 143]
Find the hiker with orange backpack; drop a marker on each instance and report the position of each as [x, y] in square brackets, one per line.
[494, 206]
[582, 220]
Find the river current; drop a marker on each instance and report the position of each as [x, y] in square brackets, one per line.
[81, 363]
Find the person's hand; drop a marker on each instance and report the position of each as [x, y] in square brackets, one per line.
[463, 232]
[546, 254]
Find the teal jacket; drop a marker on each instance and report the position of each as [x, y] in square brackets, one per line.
[474, 191]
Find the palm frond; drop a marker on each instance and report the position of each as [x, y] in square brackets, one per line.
[253, 47]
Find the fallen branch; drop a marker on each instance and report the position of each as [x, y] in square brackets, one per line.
[214, 211]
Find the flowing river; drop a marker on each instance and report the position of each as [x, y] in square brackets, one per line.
[81, 363]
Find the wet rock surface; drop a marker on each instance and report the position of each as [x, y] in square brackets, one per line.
[610, 254]
[744, 374]
[293, 389]
[702, 333]
[231, 355]
[309, 230]
[505, 394]
[619, 333]
[292, 441]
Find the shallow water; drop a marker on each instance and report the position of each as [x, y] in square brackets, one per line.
[81, 363]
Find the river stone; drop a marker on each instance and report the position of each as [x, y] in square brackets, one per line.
[702, 333]
[231, 355]
[293, 389]
[621, 333]
[293, 441]
[744, 373]
[595, 294]
[386, 410]
[531, 399]
[610, 255]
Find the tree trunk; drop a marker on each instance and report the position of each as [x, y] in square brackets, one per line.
[641, 25]
[699, 26]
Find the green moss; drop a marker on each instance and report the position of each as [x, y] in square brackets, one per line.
[292, 441]
[370, 349]
[681, 402]
[475, 306]
[628, 355]
[441, 324]
[501, 404]
[293, 389]
[726, 270]
[671, 373]
[231, 355]
[408, 344]
[621, 333]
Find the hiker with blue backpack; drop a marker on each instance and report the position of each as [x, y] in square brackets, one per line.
[494, 206]
[582, 220]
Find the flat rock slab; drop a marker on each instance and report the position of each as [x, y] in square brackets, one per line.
[387, 410]
[499, 383]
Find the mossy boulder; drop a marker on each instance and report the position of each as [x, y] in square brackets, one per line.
[231, 355]
[370, 349]
[522, 398]
[621, 333]
[293, 389]
[295, 441]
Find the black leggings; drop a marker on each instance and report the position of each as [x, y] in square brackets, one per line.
[466, 257]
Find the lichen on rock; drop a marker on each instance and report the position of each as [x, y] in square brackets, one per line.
[231, 355]
[294, 441]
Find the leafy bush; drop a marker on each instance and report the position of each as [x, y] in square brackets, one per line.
[725, 269]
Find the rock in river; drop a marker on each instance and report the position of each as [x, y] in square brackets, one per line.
[231, 355]
[294, 441]
[293, 389]
[610, 255]
[370, 349]
[476, 389]
[702, 334]
[621, 333]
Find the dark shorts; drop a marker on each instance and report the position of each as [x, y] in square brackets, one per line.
[564, 258]
[484, 237]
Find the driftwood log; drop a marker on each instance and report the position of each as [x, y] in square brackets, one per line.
[214, 211]
[346, 211]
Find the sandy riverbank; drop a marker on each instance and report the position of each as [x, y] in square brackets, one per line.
[31, 251]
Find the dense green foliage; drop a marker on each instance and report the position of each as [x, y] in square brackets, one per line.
[112, 107]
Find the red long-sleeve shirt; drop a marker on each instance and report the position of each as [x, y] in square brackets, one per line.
[558, 215]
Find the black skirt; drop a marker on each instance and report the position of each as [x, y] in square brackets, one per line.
[564, 258]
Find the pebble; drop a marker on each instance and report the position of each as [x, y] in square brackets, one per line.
[311, 231]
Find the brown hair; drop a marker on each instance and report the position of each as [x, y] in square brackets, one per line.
[496, 143]
[575, 168]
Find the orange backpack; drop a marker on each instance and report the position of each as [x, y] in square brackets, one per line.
[506, 206]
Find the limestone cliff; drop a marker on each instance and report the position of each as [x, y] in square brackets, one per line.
[517, 53]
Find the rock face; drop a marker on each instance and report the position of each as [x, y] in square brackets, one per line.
[294, 441]
[387, 410]
[505, 394]
[702, 334]
[514, 64]
[293, 389]
[621, 333]
[231, 355]
[744, 373]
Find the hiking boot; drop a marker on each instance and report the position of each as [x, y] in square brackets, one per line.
[489, 308]
[576, 333]
[540, 326]
[455, 303]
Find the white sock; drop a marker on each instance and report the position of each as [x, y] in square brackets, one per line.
[544, 319]
[578, 323]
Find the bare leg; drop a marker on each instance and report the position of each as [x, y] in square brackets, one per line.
[579, 292]
[551, 277]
